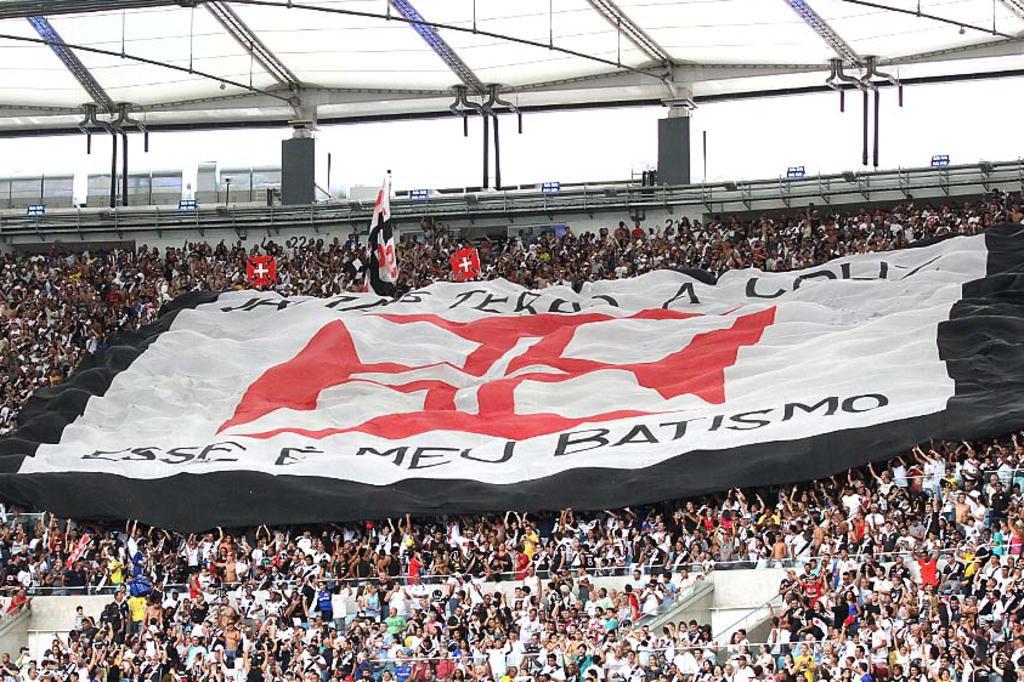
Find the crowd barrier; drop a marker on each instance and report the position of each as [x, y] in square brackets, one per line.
[648, 571]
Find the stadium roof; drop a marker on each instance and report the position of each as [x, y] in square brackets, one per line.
[205, 63]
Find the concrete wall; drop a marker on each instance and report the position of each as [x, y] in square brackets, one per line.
[738, 594]
[748, 588]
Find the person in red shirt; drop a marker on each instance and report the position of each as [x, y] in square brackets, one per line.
[415, 568]
[812, 588]
[634, 602]
[929, 569]
[445, 667]
[113, 296]
[194, 588]
[19, 601]
[522, 563]
[860, 527]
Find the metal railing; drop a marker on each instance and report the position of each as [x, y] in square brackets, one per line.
[694, 569]
[875, 185]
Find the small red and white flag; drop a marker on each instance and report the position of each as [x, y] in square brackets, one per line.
[261, 271]
[79, 550]
[466, 264]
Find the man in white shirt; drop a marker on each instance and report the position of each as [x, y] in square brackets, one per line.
[516, 649]
[743, 672]
[529, 625]
[851, 502]
[686, 662]
[552, 669]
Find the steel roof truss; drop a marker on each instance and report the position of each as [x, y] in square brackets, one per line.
[21, 9]
[439, 45]
[71, 61]
[251, 42]
[631, 30]
[1015, 6]
[825, 31]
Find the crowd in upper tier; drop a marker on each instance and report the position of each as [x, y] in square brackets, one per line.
[908, 570]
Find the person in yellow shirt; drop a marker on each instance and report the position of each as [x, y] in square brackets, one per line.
[771, 517]
[115, 570]
[137, 612]
[530, 542]
[803, 664]
[971, 562]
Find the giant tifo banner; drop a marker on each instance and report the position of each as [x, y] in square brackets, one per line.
[246, 407]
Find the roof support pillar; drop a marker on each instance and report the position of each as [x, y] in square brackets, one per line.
[674, 144]
[298, 168]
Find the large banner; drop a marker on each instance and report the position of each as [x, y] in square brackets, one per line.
[246, 407]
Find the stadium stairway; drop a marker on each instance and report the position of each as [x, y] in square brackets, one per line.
[14, 631]
[696, 604]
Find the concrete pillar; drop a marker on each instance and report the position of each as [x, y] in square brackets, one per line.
[298, 168]
[674, 147]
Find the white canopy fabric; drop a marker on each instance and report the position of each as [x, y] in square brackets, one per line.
[178, 65]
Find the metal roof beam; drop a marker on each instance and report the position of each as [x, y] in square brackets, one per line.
[631, 30]
[20, 9]
[316, 96]
[144, 60]
[990, 49]
[933, 17]
[251, 42]
[1015, 6]
[27, 123]
[825, 32]
[439, 45]
[683, 75]
[71, 61]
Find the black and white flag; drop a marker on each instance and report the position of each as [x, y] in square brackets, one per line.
[382, 270]
[245, 407]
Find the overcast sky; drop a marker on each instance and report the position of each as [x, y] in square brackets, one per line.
[746, 139]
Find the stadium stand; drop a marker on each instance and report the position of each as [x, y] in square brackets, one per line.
[907, 570]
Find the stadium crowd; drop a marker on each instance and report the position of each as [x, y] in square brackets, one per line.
[907, 570]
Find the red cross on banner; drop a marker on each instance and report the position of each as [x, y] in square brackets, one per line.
[261, 271]
[465, 264]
